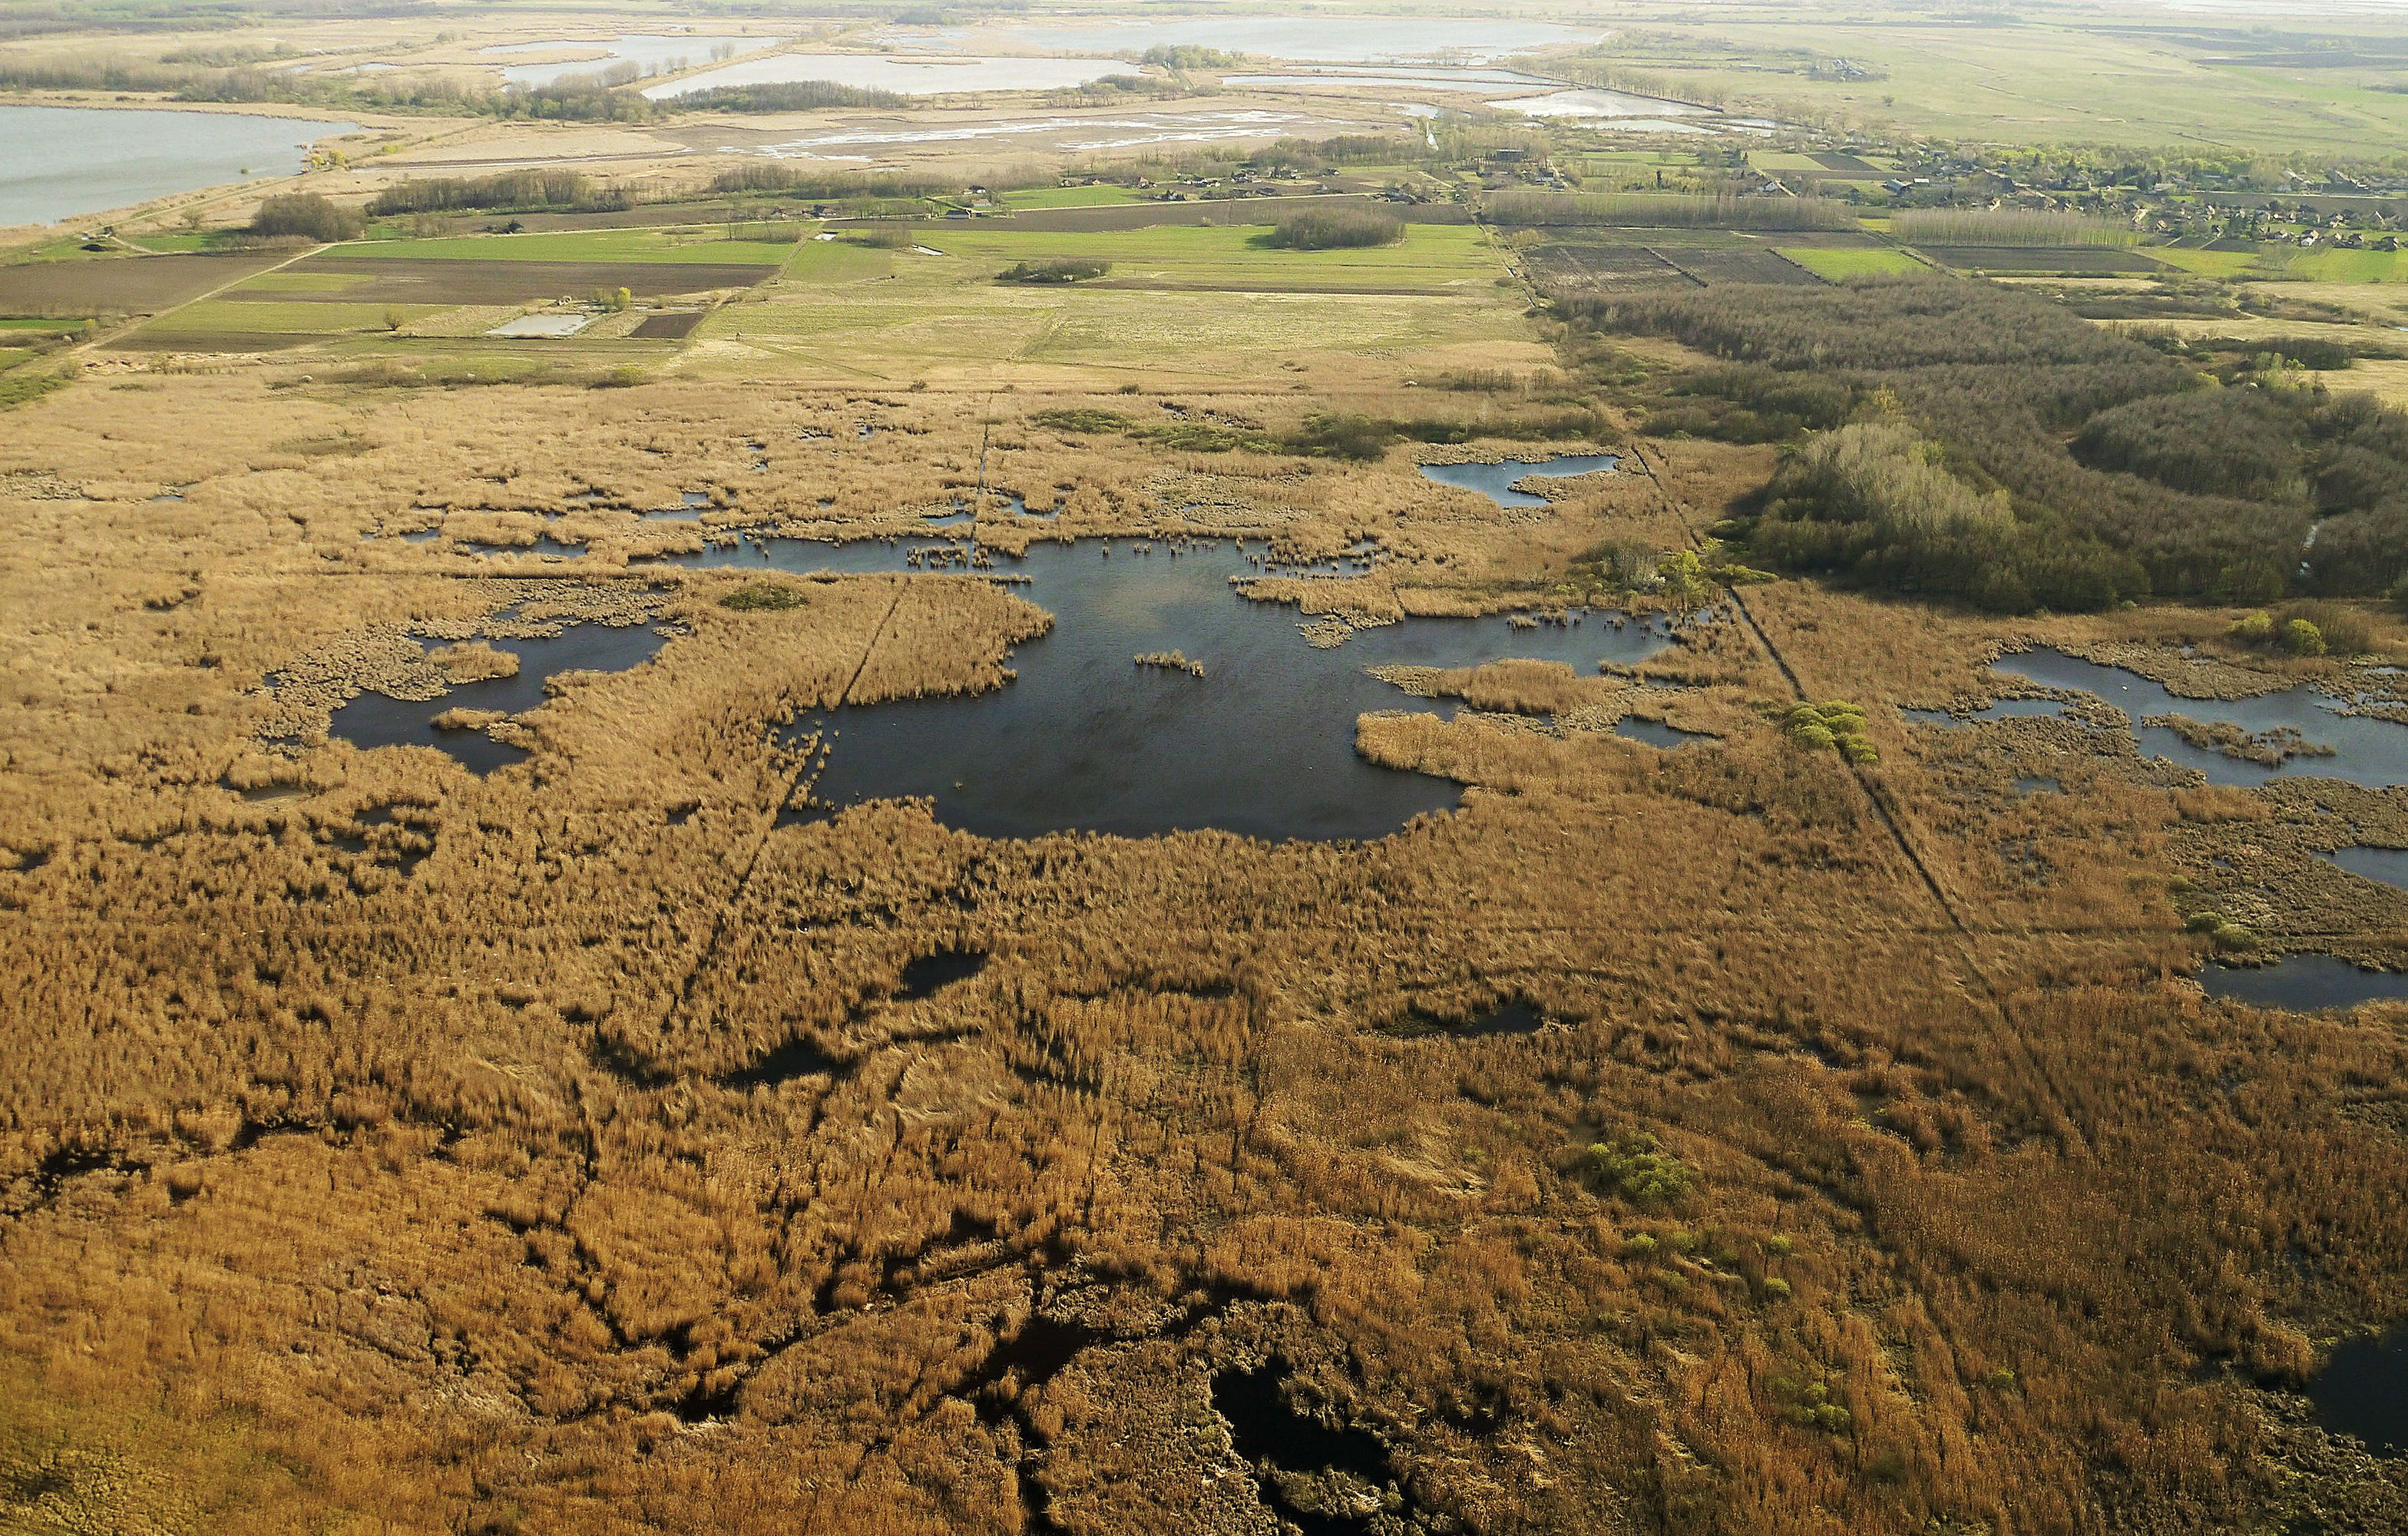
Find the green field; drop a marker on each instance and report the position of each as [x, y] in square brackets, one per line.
[2312, 264]
[1238, 256]
[235, 317]
[1838, 264]
[11, 356]
[601, 245]
[2349, 265]
[1036, 197]
[2209, 263]
[44, 325]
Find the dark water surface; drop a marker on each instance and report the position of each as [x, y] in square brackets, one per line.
[2367, 750]
[1262, 744]
[1085, 739]
[372, 720]
[2388, 865]
[2363, 1391]
[1496, 480]
[2304, 983]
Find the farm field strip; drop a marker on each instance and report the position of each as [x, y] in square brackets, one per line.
[1835, 264]
[1430, 256]
[608, 245]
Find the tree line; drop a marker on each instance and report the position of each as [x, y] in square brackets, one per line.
[2124, 473]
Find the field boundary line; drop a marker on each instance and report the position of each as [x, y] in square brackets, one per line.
[1871, 790]
[709, 948]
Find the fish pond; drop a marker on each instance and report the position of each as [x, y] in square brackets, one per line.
[1085, 739]
[65, 161]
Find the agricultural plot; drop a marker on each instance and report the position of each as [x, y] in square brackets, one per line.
[614, 246]
[122, 285]
[1848, 167]
[1039, 197]
[2211, 263]
[1218, 211]
[2014, 258]
[1588, 268]
[1429, 259]
[374, 288]
[381, 280]
[1742, 264]
[1838, 263]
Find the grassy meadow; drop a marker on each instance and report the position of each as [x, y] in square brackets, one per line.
[1838, 264]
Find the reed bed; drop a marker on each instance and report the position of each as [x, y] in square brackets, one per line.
[573, 1147]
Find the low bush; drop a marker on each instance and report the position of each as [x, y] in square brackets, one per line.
[1053, 269]
[1081, 419]
[765, 597]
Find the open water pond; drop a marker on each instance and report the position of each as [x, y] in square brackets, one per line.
[1085, 739]
[921, 76]
[1262, 744]
[1326, 39]
[2366, 749]
[1492, 80]
[1069, 134]
[2305, 984]
[63, 161]
[1496, 480]
[1652, 114]
[2388, 865]
[372, 720]
[2363, 1391]
[651, 54]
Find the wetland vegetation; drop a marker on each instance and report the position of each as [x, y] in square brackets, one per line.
[1471, 820]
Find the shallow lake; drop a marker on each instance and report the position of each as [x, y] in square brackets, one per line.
[1085, 739]
[1069, 134]
[1440, 79]
[2364, 1391]
[1332, 39]
[925, 76]
[650, 54]
[1262, 744]
[1651, 112]
[65, 161]
[1496, 480]
[2305, 984]
[372, 720]
[2366, 749]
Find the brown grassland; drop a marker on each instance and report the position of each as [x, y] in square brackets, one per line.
[583, 1148]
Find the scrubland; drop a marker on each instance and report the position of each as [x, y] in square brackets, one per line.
[606, 1144]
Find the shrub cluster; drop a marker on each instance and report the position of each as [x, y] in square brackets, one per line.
[1053, 269]
[1325, 229]
[1838, 725]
